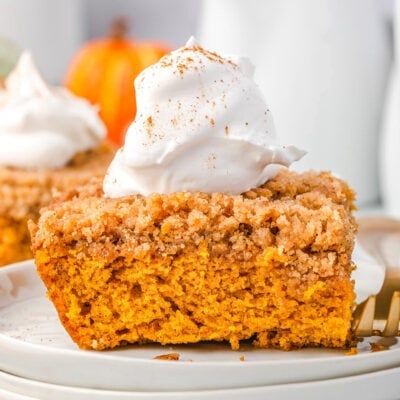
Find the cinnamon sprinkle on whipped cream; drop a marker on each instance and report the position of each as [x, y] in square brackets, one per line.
[192, 106]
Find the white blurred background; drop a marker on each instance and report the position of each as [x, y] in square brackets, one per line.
[327, 67]
[55, 29]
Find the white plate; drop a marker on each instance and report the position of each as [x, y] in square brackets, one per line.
[7, 395]
[34, 345]
[382, 385]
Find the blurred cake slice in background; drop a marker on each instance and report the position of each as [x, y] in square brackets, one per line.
[49, 140]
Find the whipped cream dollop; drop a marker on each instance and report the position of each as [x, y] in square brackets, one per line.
[202, 124]
[368, 275]
[43, 126]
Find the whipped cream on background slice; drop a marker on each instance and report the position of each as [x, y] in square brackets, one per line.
[202, 124]
[368, 275]
[43, 126]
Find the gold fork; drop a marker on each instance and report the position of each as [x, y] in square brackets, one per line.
[379, 315]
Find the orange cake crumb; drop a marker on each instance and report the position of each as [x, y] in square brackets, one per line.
[168, 357]
[272, 265]
[352, 351]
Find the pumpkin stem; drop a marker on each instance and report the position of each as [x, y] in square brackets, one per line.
[119, 28]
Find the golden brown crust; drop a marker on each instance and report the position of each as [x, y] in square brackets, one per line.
[234, 226]
[24, 192]
[272, 264]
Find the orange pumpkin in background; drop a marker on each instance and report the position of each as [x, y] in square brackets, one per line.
[103, 72]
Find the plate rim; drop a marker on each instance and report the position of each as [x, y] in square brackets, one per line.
[291, 390]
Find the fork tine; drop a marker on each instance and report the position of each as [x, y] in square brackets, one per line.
[365, 323]
[393, 318]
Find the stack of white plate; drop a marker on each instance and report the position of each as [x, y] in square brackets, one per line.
[39, 361]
